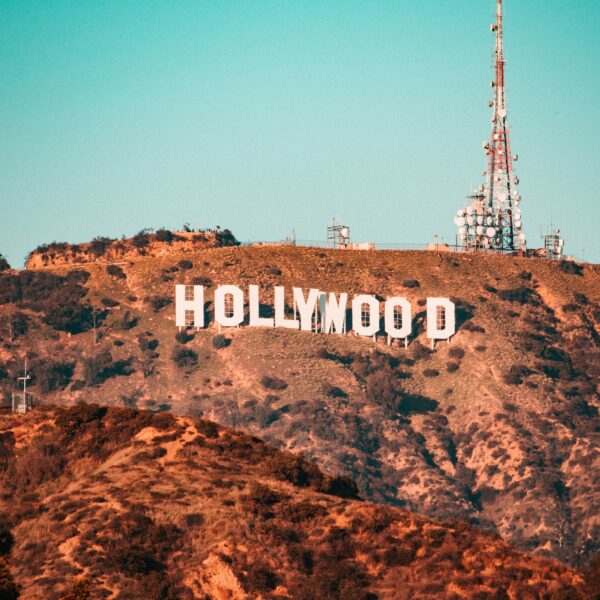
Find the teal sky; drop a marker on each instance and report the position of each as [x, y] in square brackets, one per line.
[268, 116]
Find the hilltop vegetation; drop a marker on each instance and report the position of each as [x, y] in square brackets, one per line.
[144, 243]
[500, 427]
[113, 503]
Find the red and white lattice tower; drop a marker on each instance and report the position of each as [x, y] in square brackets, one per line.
[492, 219]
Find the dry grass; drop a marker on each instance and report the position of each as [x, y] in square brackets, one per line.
[455, 451]
[217, 512]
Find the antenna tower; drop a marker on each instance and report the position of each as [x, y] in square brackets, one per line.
[492, 219]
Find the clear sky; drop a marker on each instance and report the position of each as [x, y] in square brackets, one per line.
[268, 116]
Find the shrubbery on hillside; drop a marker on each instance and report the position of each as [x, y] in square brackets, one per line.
[4, 266]
[116, 272]
[58, 297]
[184, 358]
[50, 375]
[520, 295]
[164, 235]
[183, 337]
[101, 366]
[100, 244]
[570, 267]
[220, 341]
[158, 302]
[141, 239]
[271, 382]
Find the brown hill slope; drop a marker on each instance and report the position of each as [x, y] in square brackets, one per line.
[134, 505]
[163, 242]
[500, 427]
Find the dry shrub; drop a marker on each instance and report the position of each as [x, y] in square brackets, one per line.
[516, 374]
[4, 266]
[581, 299]
[293, 469]
[332, 391]
[399, 556]
[194, 520]
[468, 326]
[570, 267]
[158, 302]
[50, 375]
[101, 366]
[431, 373]
[9, 590]
[141, 239]
[418, 405]
[109, 302]
[419, 351]
[456, 352]
[183, 337]
[259, 501]
[520, 295]
[271, 382]
[207, 428]
[298, 512]
[80, 589]
[219, 341]
[6, 541]
[259, 578]
[340, 486]
[202, 280]
[164, 235]
[411, 283]
[116, 272]
[184, 358]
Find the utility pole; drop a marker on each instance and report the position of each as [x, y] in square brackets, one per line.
[24, 379]
[22, 401]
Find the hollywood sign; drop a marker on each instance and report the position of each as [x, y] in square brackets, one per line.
[315, 311]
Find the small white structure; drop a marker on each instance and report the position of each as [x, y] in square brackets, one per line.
[360, 246]
[22, 402]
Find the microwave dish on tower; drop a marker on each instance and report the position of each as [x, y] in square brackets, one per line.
[493, 221]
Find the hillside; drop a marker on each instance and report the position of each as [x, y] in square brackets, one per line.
[500, 427]
[144, 243]
[124, 504]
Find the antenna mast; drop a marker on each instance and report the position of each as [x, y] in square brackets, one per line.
[492, 219]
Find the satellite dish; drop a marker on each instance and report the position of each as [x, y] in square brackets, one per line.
[490, 232]
[489, 221]
[469, 210]
[479, 220]
[480, 230]
[461, 212]
[470, 220]
[460, 221]
[502, 113]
